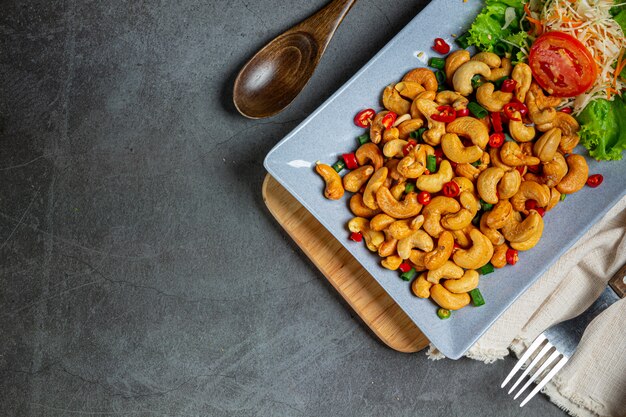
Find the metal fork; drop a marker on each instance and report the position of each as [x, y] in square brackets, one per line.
[560, 341]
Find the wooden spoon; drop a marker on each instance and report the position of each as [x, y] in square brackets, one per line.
[273, 78]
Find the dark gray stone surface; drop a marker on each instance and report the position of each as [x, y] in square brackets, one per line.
[140, 273]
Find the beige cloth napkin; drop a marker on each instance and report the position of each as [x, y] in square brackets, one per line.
[593, 382]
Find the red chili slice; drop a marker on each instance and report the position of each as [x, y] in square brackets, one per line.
[405, 267]
[541, 211]
[567, 110]
[423, 198]
[496, 122]
[438, 156]
[364, 117]
[357, 237]
[451, 189]
[350, 160]
[521, 169]
[508, 85]
[389, 119]
[512, 256]
[595, 180]
[462, 113]
[530, 204]
[510, 109]
[496, 140]
[446, 114]
[535, 169]
[440, 46]
[406, 149]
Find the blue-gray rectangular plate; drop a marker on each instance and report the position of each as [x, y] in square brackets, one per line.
[329, 132]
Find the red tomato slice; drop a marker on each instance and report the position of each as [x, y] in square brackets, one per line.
[562, 65]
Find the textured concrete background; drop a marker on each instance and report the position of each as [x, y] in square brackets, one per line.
[140, 273]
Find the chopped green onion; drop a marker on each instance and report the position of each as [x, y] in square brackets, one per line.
[498, 83]
[339, 166]
[508, 138]
[443, 313]
[418, 133]
[477, 110]
[441, 77]
[477, 81]
[486, 269]
[409, 187]
[363, 139]
[476, 220]
[408, 275]
[562, 198]
[431, 163]
[477, 297]
[438, 63]
[502, 48]
[485, 206]
[462, 40]
[476, 163]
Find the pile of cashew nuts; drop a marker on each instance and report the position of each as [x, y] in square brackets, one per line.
[439, 239]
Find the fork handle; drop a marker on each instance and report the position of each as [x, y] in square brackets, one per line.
[618, 282]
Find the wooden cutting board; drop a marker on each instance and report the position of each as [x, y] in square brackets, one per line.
[356, 286]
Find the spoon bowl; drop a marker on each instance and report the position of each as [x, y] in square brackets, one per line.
[277, 73]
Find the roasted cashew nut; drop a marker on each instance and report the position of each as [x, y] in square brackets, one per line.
[420, 287]
[511, 154]
[438, 207]
[465, 284]
[381, 221]
[377, 127]
[451, 98]
[487, 184]
[471, 128]
[498, 260]
[357, 178]
[401, 229]
[509, 184]
[489, 58]
[477, 255]
[462, 78]
[493, 235]
[373, 184]
[449, 270]
[369, 153]
[555, 170]
[555, 198]
[468, 171]
[410, 167]
[359, 209]
[546, 146]
[418, 239]
[516, 231]
[334, 187]
[404, 209]
[454, 149]
[565, 122]
[436, 129]
[541, 109]
[392, 167]
[576, 177]
[423, 76]
[392, 262]
[393, 101]
[409, 89]
[463, 218]
[416, 259]
[433, 183]
[464, 184]
[409, 126]
[373, 239]
[523, 75]
[454, 61]
[448, 300]
[388, 247]
[519, 131]
[494, 154]
[394, 148]
[568, 143]
[491, 100]
[533, 239]
[530, 190]
[503, 71]
[391, 134]
[498, 216]
[441, 253]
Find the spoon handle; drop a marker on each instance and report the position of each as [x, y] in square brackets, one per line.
[323, 24]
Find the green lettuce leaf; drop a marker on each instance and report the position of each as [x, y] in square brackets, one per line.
[486, 30]
[603, 128]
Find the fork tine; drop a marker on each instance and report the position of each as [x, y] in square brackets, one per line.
[534, 376]
[541, 354]
[531, 349]
[545, 380]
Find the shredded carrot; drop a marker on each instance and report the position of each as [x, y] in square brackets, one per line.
[537, 23]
